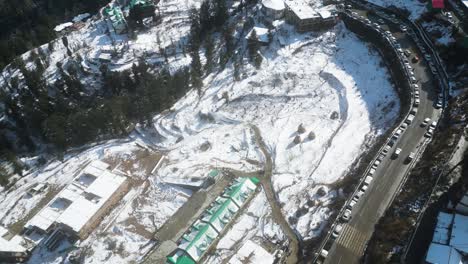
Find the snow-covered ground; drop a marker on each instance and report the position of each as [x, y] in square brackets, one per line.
[415, 7]
[329, 83]
[321, 82]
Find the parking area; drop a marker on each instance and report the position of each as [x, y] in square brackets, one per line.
[386, 173]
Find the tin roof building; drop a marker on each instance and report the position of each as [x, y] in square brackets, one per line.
[211, 224]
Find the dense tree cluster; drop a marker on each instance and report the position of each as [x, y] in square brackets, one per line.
[69, 118]
[25, 24]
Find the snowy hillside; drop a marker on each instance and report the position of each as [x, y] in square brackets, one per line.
[319, 100]
[304, 81]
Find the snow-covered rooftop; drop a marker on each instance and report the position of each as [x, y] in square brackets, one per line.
[459, 239]
[262, 34]
[77, 203]
[253, 253]
[442, 254]
[273, 4]
[12, 245]
[301, 8]
[465, 2]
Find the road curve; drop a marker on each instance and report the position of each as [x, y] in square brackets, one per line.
[350, 245]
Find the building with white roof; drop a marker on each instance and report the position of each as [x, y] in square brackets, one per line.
[78, 208]
[13, 249]
[305, 18]
[262, 35]
[253, 253]
[273, 9]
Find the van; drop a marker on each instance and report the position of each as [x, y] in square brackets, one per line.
[409, 119]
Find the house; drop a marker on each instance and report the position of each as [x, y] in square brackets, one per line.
[305, 18]
[79, 207]
[273, 9]
[262, 35]
[12, 249]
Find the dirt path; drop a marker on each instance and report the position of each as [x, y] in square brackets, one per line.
[294, 242]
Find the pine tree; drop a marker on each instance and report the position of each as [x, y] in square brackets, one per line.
[237, 65]
[196, 71]
[221, 13]
[254, 47]
[209, 53]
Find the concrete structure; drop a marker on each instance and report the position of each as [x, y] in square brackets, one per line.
[79, 207]
[213, 222]
[273, 9]
[305, 18]
[14, 249]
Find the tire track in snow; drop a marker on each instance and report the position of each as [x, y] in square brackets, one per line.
[344, 107]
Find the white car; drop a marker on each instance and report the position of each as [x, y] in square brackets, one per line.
[396, 153]
[346, 215]
[337, 231]
[425, 122]
[433, 125]
[416, 102]
[438, 104]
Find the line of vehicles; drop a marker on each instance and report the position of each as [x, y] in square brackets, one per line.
[405, 56]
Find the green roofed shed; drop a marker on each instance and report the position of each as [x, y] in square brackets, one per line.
[241, 189]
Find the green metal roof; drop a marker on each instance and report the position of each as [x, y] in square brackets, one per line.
[184, 259]
[213, 173]
[240, 190]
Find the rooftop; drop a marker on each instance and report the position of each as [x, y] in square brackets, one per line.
[441, 232]
[80, 200]
[301, 8]
[12, 245]
[459, 238]
[273, 4]
[442, 254]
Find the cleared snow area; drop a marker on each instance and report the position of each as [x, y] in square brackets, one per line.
[254, 227]
[319, 81]
[415, 7]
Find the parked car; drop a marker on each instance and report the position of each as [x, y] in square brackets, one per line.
[346, 215]
[415, 59]
[438, 104]
[336, 232]
[433, 125]
[416, 102]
